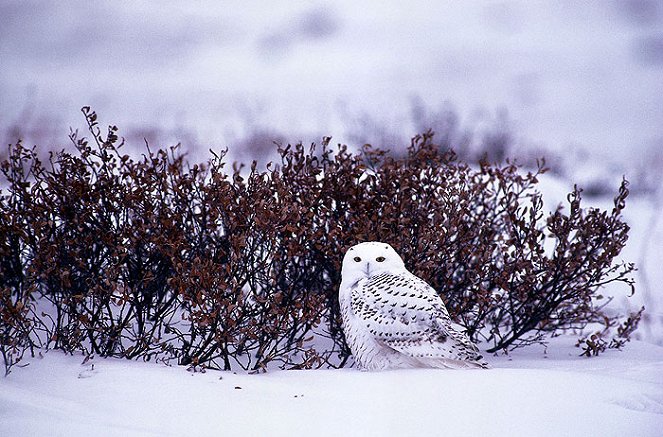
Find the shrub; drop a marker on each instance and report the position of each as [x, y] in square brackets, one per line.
[154, 258]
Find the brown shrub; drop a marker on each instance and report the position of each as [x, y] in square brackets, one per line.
[158, 259]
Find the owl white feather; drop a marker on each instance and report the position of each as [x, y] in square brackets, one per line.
[394, 319]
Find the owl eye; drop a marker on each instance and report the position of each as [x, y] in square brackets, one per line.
[379, 259]
[357, 259]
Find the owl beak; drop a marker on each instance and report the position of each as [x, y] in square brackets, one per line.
[368, 270]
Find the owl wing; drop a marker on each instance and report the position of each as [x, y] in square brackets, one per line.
[406, 314]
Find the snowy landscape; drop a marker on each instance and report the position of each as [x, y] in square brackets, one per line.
[538, 391]
[527, 393]
[580, 83]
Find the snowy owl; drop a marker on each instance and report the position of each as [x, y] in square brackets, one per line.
[394, 319]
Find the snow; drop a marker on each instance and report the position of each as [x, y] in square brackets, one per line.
[526, 393]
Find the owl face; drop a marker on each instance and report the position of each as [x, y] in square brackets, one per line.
[367, 259]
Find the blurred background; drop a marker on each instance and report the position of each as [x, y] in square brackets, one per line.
[577, 82]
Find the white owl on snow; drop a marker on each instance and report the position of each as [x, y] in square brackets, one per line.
[394, 319]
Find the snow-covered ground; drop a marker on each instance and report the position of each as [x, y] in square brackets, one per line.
[527, 393]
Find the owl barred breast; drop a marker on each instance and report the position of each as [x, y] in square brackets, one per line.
[393, 319]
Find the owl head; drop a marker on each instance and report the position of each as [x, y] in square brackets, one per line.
[371, 258]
